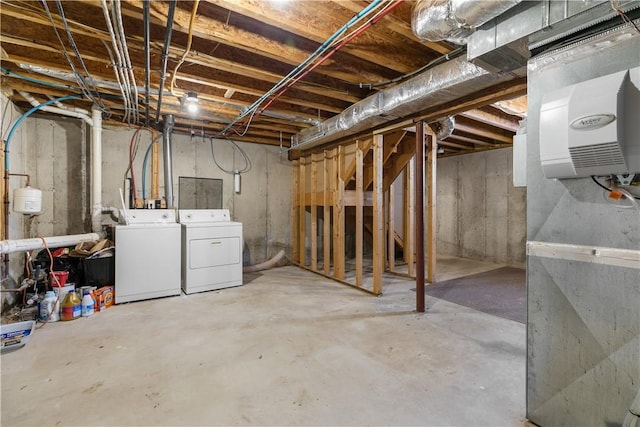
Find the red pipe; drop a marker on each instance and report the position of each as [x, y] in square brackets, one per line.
[333, 50]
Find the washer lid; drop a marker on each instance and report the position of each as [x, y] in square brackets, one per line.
[193, 216]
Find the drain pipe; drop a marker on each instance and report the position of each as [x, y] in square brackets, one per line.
[96, 169]
[147, 59]
[166, 152]
[21, 245]
[57, 110]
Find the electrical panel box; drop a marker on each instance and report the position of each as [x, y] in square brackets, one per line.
[592, 128]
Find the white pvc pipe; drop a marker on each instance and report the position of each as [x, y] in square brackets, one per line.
[56, 110]
[96, 169]
[21, 245]
[73, 109]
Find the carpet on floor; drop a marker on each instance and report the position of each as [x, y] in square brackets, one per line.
[500, 292]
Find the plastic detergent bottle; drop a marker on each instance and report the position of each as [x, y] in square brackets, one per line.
[48, 308]
[87, 304]
[71, 306]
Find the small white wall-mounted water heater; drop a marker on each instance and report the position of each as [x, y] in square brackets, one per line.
[592, 128]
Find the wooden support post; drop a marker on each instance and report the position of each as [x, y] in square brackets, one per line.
[419, 217]
[431, 208]
[295, 216]
[391, 239]
[314, 213]
[378, 214]
[302, 225]
[338, 215]
[326, 218]
[359, 211]
[409, 218]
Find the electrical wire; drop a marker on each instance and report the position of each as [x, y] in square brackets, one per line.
[187, 49]
[79, 77]
[593, 177]
[129, 66]
[133, 149]
[615, 5]
[302, 66]
[334, 49]
[247, 160]
[440, 60]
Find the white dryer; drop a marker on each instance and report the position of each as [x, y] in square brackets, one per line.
[147, 255]
[211, 250]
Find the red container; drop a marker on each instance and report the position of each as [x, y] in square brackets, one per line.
[62, 278]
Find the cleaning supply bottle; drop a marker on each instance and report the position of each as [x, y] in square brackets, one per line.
[71, 306]
[87, 304]
[49, 308]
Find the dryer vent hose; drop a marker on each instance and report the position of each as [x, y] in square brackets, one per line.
[264, 265]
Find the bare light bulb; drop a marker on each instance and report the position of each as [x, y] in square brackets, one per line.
[192, 107]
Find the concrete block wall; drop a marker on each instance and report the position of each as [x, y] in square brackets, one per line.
[481, 215]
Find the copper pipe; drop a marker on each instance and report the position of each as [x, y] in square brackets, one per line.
[419, 216]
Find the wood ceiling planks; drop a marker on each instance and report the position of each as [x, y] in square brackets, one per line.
[240, 49]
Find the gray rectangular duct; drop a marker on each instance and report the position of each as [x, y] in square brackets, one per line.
[504, 42]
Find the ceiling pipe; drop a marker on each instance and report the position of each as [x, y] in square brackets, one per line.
[147, 60]
[167, 156]
[96, 169]
[165, 58]
[56, 110]
[21, 245]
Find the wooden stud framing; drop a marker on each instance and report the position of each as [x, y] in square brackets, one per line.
[295, 217]
[391, 238]
[302, 225]
[431, 208]
[338, 215]
[409, 219]
[314, 213]
[378, 214]
[359, 210]
[326, 218]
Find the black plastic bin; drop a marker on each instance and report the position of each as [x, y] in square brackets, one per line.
[99, 271]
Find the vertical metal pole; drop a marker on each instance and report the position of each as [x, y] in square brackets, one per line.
[419, 217]
[166, 154]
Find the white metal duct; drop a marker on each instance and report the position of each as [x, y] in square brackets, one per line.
[454, 20]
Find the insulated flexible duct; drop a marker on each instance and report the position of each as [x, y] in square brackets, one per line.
[454, 20]
[443, 127]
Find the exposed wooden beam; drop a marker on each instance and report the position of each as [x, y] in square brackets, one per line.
[491, 119]
[317, 21]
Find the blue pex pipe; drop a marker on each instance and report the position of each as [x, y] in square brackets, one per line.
[311, 57]
[24, 116]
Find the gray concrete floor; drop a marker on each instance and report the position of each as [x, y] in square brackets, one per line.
[288, 348]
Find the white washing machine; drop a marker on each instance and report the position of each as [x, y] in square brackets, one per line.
[147, 255]
[211, 250]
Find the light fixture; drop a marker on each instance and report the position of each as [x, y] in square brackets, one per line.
[440, 149]
[191, 102]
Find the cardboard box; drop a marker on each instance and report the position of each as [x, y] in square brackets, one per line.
[104, 297]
